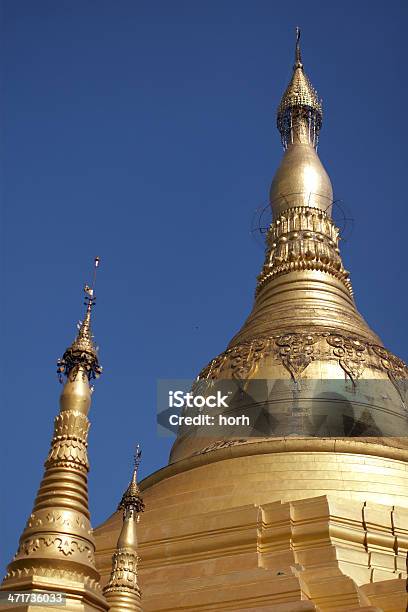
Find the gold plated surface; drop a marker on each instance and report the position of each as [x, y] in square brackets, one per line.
[122, 590]
[301, 180]
[253, 525]
[299, 92]
[57, 550]
[299, 116]
[294, 523]
[304, 324]
[286, 523]
[303, 239]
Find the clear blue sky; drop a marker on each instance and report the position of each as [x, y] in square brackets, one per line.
[144, 132]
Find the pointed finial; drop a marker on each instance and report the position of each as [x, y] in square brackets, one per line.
[137, 457]
[122, 591]
[300, 109]
[298, 56]
[132, 499]
[90, 291]
[83, 352]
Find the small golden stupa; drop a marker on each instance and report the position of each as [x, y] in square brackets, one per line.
[310, 516]
[122, 591]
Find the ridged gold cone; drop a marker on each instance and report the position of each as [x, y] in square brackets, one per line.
[56, 550]
[122, 591]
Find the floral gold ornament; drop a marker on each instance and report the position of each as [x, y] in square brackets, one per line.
[351, 353]
[303, 239]
[296, 352]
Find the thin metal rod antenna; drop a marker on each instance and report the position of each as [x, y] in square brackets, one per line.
[90, 291]
[137, 457]
[298, 58]
[96, 265]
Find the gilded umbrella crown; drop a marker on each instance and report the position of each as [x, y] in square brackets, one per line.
[132, 497]
[300, 101]
[83, 352]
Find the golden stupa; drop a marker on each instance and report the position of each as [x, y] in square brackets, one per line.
[310, 516]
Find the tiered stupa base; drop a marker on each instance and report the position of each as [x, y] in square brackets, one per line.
[280, 525]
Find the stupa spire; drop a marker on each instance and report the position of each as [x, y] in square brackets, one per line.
[57, 540]
[304, 323]
[301, 179]
[131, 498]
[300, 110]
[122, 591]
[83, 352]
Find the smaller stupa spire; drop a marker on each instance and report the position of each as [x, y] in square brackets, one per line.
[57, 540]
[83, 352]
[122, 592]
[131, 499]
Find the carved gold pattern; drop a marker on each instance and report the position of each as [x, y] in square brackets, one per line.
[69, 443]
[241, 360]
[296, 352]
[124, 572]
[50, 571]
[64, 545]
[396, 369]
[351, 353]
[68, 451]
[71, 520]
[303, 239]
[220, 444]
[394, 366]
[71, 425]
